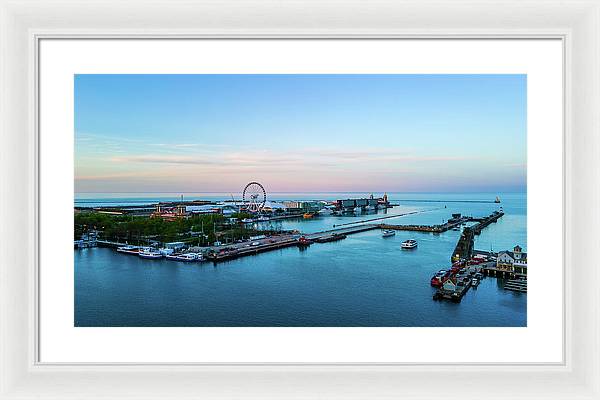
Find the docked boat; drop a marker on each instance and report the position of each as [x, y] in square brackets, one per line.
[409, 244]
[474, 282]
[439, 278]
[331, 238]
[150, 253]
[262, 218]
[388, 233]
[166, 251]
[357, 210]
[303, 241]
[129, 249]
[185, 257]
[308, 215]
[247, 220]
[325, 211]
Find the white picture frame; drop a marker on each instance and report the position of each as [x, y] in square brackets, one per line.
[24, 23]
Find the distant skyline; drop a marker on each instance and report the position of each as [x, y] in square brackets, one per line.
[300, 133]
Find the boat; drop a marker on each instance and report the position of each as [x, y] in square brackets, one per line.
[325, 211]
[166, 251]
[150, 253]
[474, 282]
[497, 200]
[388, 233]
[247, 220]
[439, 278]
[409, 244]
[308, 215]
[456, 228]
[331, 238]
[357, 210]
[129, 249]
[262, 218]
[303, 241]
[185, 257]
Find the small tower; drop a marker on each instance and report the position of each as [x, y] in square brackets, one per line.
[517, 250]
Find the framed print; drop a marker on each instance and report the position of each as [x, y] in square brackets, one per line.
[287, 223]
[268, 208]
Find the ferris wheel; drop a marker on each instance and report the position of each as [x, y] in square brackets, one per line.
[254, 197]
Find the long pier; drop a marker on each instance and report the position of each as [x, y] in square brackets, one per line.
[466, 243]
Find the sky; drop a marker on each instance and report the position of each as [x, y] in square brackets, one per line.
[300, 133]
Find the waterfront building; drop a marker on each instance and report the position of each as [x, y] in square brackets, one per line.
[168, 213]
[273, 206]
[292, 206]
[512, 261]
[302, 206]
[450, 284]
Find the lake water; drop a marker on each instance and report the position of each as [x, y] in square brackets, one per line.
[364, 280]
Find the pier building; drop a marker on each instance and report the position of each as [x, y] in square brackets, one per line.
[512, 261]
[364, 203]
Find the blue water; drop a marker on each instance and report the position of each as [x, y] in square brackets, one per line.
[364, 280]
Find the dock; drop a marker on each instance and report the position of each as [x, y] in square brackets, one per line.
[516, 285]
[229, 253]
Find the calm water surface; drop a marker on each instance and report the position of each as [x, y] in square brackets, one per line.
[364, 280]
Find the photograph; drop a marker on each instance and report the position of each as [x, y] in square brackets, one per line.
[300, 200]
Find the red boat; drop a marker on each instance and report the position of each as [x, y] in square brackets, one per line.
[303, 241]
[440, 277]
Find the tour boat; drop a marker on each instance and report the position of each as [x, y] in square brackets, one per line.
[150, 253]
[129, 249]
[185, 257]
[409, 244]
[388, 233]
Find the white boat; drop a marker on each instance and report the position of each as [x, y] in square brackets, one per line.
[388, 233]
[150, 253]
[263, 219]
[370, 208]
[497, 200]
[166, 252]
[409, 244]
[357, 210]
[129, 249]
[325, 211]
[247, 220]
[185, 257]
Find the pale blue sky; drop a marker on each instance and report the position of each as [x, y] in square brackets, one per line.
[214, 133]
